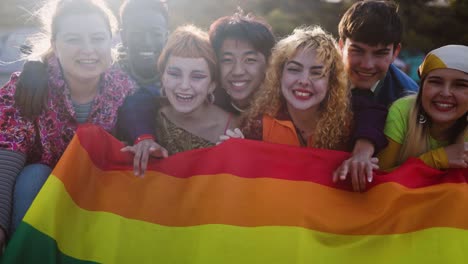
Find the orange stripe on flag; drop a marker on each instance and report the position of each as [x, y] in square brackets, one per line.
[232, 200]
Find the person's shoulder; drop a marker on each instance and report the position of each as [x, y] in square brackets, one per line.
[404, 101]
[403, 105]
[117, 79]
[14, 77]
[397, 119]
[407, 84]
[9, 87]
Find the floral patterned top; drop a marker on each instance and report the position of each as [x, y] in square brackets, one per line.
[44, 139]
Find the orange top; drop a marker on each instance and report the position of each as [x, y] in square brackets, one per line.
[281, 132]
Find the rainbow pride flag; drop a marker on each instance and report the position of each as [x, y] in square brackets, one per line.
[240, 202]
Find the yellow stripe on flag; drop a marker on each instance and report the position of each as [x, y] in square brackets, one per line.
[109, 238]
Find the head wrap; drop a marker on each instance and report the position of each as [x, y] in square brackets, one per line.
[446, 57]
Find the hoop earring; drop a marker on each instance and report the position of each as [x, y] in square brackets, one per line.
[211, 98]
[422, 119]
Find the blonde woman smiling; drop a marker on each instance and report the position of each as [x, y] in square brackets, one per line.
[432, 125]
[305, 100]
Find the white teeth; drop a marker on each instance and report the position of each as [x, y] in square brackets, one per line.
[302, 93]
[238, 84]
[87, 61]
[184, 97]
[365, 74]
[442, 105]
[146, 53]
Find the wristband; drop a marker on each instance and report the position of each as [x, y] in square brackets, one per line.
[143, 137]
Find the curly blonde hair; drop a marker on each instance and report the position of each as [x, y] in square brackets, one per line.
[334, 124]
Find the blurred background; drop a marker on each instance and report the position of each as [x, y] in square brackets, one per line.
[428, 23]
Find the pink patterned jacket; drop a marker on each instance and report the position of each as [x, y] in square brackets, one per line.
[44, 140]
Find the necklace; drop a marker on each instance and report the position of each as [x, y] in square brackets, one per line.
[237, 108]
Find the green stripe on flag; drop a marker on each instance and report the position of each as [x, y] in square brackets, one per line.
[29, 245]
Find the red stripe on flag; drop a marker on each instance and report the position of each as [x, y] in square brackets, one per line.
[239, 156]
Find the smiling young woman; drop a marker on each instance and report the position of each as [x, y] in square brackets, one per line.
[433, 124]
[189, 119]
[80, 88]
[305, 100]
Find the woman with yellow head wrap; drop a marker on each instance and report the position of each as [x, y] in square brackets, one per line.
[432, 125]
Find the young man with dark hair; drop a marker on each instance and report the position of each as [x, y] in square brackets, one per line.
[243, 46]
[370, 40]
[370, 35]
